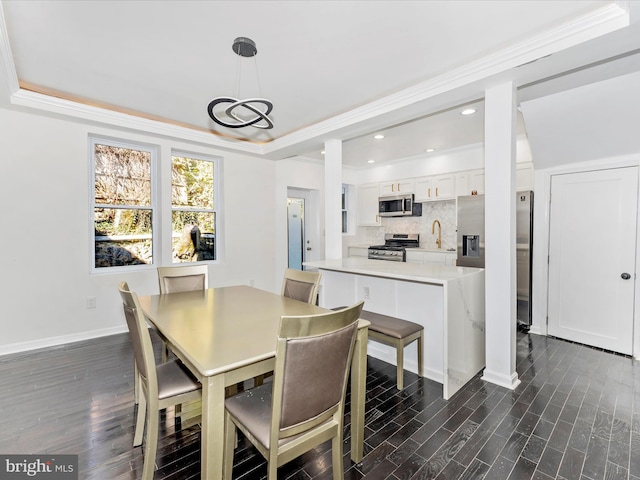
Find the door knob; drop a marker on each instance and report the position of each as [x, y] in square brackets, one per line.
[309, 248]
[625, 276]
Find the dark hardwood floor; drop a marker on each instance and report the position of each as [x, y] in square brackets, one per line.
[576, 415]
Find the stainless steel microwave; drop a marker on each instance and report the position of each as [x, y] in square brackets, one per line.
[399, 206]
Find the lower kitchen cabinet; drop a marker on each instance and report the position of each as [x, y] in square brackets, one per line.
[443, 258]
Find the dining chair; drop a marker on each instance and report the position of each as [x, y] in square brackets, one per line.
[184, 278]
[301, 285]
[304, 405]
[161, 386]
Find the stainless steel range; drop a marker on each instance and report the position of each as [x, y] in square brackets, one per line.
[394, 248]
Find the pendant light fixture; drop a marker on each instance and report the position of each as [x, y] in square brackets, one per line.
[242, 113]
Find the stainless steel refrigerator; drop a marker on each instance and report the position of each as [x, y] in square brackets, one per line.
[471, 247]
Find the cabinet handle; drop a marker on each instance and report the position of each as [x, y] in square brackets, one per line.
[398, 187]
[436, 191]
[377, 218]
[393, 187]
[429, 193]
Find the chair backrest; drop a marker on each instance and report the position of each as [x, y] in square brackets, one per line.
[313, 360]
[183, 278]
[140, 338]
[301, 285]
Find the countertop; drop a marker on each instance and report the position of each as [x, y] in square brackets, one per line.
[416, 272]
[419, 249]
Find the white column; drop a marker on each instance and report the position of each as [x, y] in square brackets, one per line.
[333, 199]
[500, 235]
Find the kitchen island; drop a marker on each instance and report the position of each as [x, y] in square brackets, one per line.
[448, 301]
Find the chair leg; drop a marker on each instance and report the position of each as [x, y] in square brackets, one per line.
[230, 440]
[140, 418]
[400, 364]
[272, 467]
[421, 354]
[336, 457]
[151, 445]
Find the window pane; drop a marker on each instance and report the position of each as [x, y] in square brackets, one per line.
[193, 236]
[191, 183]
[122, 176]
[123, 237]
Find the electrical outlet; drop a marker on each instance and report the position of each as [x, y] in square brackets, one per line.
[91, 302]
[366, 293]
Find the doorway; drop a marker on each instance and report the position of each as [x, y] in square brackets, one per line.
[295, 232]
[592, 249]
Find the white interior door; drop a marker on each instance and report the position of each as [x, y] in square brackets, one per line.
[592, 245]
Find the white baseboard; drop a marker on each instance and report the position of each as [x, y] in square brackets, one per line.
[61, 340]
[537, 331]
[507, 381]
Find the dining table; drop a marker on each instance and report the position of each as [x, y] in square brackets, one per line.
[226, 335]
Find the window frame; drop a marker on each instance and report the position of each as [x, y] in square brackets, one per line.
[216, 210]
[156, 234]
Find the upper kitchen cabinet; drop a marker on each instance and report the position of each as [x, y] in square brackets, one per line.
[469, 181]
[436, 187]
[368, 205]
[473, 180]
[394, 188]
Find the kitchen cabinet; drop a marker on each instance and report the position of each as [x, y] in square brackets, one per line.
[443, 257]
[436, 187]
[467, 182]
[368, 205]
[395, 187]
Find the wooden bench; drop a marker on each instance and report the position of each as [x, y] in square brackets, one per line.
[397, 333]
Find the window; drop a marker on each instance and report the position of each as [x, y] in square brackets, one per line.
[193, 215]
[123, 213]
[345, 224]
[348, 207]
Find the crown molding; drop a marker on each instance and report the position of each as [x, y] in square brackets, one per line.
[7, 67]
[599, 22]
[59, 106]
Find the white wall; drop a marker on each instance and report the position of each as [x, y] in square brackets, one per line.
[592, 122]
[44, 201]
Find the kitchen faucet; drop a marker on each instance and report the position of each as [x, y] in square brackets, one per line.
[433, 227]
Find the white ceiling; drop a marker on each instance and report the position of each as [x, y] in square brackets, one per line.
[333, 69]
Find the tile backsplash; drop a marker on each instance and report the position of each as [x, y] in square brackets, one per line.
[444, 211]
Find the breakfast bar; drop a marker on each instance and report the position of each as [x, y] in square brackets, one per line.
[447, 300]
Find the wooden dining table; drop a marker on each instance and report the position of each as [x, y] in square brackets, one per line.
[227, 335]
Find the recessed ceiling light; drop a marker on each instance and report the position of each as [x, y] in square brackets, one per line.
[468, 111]
[429, 150]
[371, 161]
[378, 136]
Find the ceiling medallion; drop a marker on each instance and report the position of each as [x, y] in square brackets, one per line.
[256, 109]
